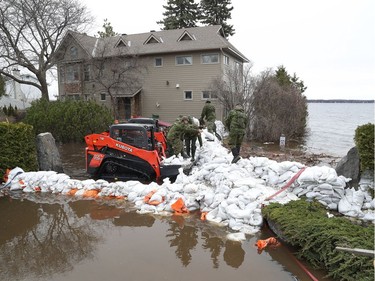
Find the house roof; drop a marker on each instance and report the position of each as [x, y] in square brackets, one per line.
[159, 42]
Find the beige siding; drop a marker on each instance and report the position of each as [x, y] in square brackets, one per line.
[160, 94]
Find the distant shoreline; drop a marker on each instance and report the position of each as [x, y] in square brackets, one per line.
[339, 101]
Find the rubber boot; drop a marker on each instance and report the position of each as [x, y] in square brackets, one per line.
[218, 136]
[200, 141]
[193, 149]
[187, 143]
[236, 155]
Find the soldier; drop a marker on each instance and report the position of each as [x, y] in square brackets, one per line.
[192, 136]
[208, 114]
[176, 135]
[236, 124]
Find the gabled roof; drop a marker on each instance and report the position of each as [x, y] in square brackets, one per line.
[152, 40]
[121, 43]
[185, 36]
[202, 38]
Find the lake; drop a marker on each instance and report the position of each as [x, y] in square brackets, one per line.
[332, 126]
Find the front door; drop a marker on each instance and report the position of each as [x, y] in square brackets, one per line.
[124, 108]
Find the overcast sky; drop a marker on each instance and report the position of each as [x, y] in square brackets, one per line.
[329, 44]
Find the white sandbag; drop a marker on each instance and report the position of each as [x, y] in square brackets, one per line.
[235, 224]
[239, 236]
[285, 177]
[146, 208]
[344, 205]
[256, 219]
[237, 213]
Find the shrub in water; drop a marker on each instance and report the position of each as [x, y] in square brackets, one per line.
[364, 140]
[17, 146]
[68, 121]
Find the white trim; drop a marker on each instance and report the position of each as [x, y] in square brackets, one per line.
[192, 95]
[184, 60]
[210, 54]
[162, 62]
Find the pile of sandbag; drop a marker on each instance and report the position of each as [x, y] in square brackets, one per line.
[228, 194]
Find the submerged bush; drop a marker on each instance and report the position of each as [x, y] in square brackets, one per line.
[17, 146]
[68, 121]
[307, 227]
[364, 141]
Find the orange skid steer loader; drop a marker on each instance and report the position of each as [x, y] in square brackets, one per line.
[128, 151]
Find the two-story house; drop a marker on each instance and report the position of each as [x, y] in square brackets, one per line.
[159, 73]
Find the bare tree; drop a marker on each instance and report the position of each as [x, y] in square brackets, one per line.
[117, 74]
[234, 87]
[30, 32]
[277, 109]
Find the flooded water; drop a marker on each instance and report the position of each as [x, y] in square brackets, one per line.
[55, 237]
[332, 126]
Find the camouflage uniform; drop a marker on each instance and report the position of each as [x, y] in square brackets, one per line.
[208, 113]
[236, 124]
[191, 137]
[177, 133]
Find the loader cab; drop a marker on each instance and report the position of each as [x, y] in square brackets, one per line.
[148, 121]
[137, 135]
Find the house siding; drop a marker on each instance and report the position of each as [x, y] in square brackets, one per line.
[160, 86]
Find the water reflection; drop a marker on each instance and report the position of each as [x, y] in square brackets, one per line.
[42, 239]
[183, 238]
[214, 245]
[234, 254]
[43, 236]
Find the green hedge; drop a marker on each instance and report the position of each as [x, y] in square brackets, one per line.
[364, 141]
[18, 147]
[307, 227]
[68, 121]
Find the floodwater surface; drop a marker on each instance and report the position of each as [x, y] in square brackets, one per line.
[56, 237]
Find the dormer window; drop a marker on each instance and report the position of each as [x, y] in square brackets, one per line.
[121, 43]
[73, 52]
[151, 40]
[186, 36]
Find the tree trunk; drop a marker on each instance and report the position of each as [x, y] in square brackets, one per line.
[42, 77]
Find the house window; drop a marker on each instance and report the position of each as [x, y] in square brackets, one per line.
[72, 73]
[62, 73]
[73, 52]
[209, 95]
[86, 72]
[73, 97]
[184, 60]
[226, 60]
[210, 58]
[158, 62]
[102, 96]
[188, 95]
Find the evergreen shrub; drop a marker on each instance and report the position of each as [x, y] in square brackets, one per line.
[307, 227]
[364, 141]
[68, 121]
[18, 147]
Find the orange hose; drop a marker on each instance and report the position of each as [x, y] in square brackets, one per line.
[288, 184]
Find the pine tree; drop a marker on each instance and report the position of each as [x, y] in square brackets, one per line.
[108, 30]
[180, 14]
[217, 12]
